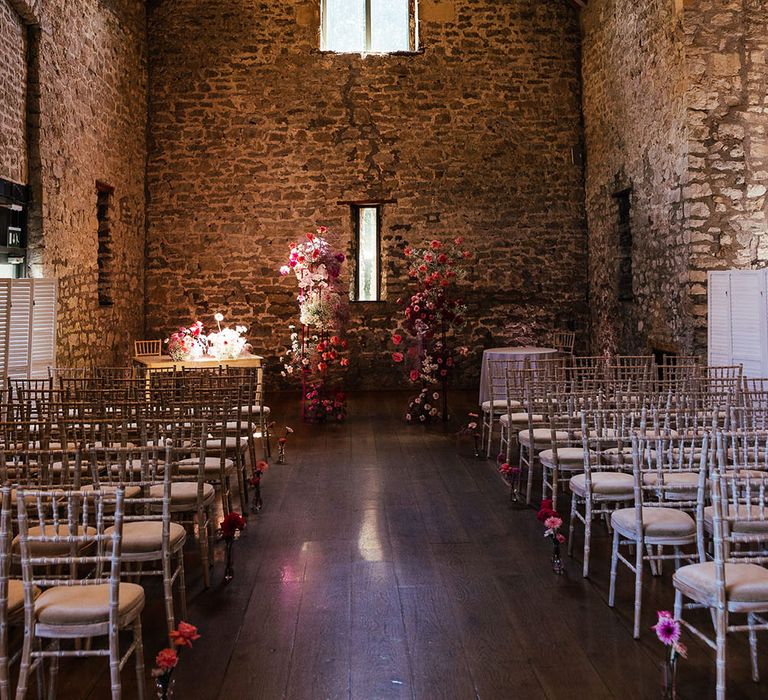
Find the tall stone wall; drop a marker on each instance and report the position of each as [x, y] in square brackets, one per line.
[727, 57]
[255, 136]
[87, 123]
[13, 81]
[634, 85]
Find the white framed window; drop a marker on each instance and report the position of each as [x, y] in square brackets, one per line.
[367, 220]
[369, 26]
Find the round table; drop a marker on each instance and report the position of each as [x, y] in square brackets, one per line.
[517, 355]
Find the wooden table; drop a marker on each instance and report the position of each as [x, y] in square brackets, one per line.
[166, 362]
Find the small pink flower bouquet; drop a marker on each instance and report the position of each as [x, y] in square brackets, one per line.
[188, 343]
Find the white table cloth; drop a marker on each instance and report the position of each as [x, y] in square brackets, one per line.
[520, 355]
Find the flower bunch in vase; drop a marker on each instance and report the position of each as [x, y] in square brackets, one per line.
[433, 315]
[227, 343]
[668, 631]
[552, 521]
[188, 343]
[232, 524]
[167, 659]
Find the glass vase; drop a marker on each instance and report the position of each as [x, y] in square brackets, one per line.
[165, 688]
[281, 453]
[557, 562]
[229, 569]
[669, 679]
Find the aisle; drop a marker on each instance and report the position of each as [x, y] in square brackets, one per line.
[385, 566]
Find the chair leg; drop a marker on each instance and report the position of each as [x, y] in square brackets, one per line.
[182, 586]
[638, 589]
[168, 597]
[139, 653]
[572, 525]
[53, 670]
[114, 664]
[587, 536]
[202, 541]
[753, 647]
[614, 565]
[26, 655]
[722, 623]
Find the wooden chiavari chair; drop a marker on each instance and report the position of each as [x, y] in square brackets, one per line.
[736, 582]
[604, 483]
[654, 521]
[82, 601]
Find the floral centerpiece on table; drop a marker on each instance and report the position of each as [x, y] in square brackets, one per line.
[227, 343]
[317, 350]
[433, 315]
[188, 343]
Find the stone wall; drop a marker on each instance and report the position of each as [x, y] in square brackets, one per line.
[255, 136]
[87, 95]
[634, 103]
[727, 57]
[13, 80]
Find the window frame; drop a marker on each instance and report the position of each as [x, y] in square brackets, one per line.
[356, 210]
[104, 253]
[14, 199]
[413, 31]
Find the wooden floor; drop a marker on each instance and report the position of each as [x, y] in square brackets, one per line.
[385, 564]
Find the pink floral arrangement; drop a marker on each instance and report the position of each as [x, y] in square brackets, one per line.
[167, 659]
[188, 342]
[320, 408]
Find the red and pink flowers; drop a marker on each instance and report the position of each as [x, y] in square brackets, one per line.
[232, 523]
[167, 659]
[188, 343]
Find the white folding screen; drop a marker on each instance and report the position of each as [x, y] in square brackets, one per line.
[738, 320]
[27, 327]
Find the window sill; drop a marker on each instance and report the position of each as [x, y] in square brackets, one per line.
[366, 54]
[366, 301]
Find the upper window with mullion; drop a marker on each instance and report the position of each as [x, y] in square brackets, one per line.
[368, 26]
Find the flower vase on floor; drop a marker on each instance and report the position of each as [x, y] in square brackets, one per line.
[165, 688]
[229, 569]
[557, 562]
[281, 453]
[669, 680]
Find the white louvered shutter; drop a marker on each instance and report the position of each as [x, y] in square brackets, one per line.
[20, 329]
[5, 321]
[43, 353]
[719, 320]
[748, 341]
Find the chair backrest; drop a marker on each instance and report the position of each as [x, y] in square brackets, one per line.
[563, 340]
[74, 523]
[147, 348]
[739, 513]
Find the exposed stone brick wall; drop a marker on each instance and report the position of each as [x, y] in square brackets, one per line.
[727, 57]
[91, 79]
[13, 80]
[255, 136]
[634, 104]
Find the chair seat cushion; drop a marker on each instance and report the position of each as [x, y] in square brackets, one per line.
[84, 605]
[618, 455]
[212, 466]
[542, 437]
[53, 549]
[567, 457]
[16, 595]
[142, 536]
[520, 418]
[605, 484]
[231, 442]
[657, 522]
[744, 583]
[254, 409]
[184, 493]
[755, 526]
[499, 405]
